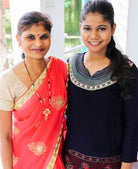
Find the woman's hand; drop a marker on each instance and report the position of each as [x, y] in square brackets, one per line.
[126, 165]
[6, 139]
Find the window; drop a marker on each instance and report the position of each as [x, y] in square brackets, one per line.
[72, 19]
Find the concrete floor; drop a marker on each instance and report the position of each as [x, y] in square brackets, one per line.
[135, 165]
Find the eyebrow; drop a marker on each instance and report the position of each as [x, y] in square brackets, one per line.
[86, 25]
[97, 26]
[45, 34]
[102, 25]
[30, 34]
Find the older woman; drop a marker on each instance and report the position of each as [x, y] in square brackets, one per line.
[35, 92]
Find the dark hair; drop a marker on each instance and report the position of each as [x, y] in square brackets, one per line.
[34, 17]
[121, 69]
[101, 6]
[31, 18]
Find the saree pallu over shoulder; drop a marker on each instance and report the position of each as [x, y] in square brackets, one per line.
[37, 142]
[20, 102]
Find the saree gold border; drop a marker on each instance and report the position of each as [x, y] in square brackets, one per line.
[55, 153]
[32, 90]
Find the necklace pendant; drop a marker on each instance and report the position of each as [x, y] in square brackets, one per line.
[46, 112]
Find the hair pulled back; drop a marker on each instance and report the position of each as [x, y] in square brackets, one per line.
[121, 69]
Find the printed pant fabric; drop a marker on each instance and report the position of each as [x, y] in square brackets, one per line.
[76, 160]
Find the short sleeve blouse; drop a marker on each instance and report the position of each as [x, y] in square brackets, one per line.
[11, 88]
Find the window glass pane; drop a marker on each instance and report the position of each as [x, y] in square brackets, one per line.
[72, 20]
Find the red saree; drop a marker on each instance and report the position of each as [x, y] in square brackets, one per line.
[37, 142]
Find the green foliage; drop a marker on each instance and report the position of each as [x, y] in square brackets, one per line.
[8, 30]
[7, 21]
[67, 3]
[72, 16]
[9, 44]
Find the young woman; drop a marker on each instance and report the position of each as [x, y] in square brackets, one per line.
[103, 93]
[34, 91]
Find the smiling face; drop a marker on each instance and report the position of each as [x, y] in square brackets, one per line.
[96, 33]
[35, 41]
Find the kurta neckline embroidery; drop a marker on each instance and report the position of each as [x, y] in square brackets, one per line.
[79, 62]
[85, 83]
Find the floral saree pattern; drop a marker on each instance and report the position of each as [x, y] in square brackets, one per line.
[37, 142]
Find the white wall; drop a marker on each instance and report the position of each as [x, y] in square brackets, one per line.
[126, 12]
[121, 19]
[132, 31]
[55, 8]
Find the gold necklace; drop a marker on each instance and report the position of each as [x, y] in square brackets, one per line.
[46, 111]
